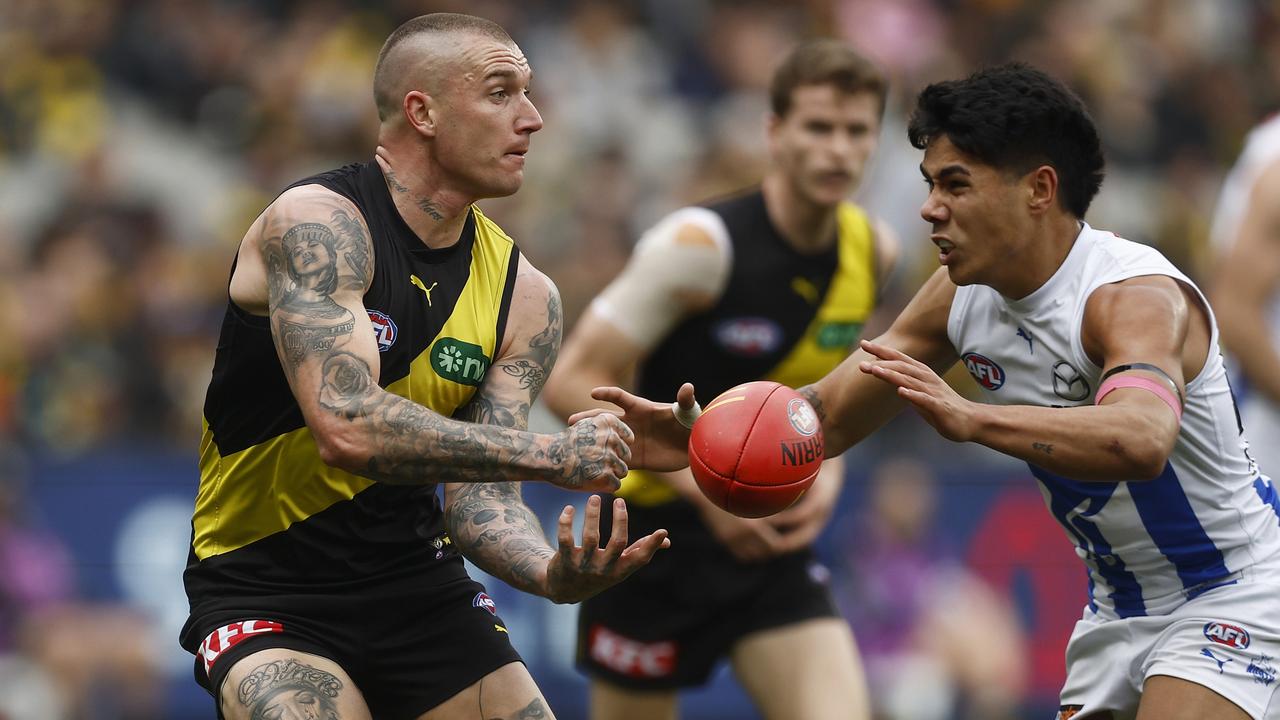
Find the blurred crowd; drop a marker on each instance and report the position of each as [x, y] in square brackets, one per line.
[139, 138]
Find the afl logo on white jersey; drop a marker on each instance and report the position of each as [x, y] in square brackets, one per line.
[983, 369]
[384, 330]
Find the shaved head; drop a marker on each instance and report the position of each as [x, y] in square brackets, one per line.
[419, 47]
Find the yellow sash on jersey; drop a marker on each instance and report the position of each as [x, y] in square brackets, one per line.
[266, 488]
[830, 337]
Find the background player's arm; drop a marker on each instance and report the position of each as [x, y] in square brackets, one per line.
[1245, 282]
[677, 270]
[312, 253]
[1128, 437]
[489, 522]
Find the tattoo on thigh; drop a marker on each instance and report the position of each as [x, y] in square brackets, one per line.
[535, 710]
[290, 689]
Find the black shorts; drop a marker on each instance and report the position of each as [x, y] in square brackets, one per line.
[667, 625]
[408, 649]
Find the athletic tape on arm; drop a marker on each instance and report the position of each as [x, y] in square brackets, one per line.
[1116, 382]
[649, 297]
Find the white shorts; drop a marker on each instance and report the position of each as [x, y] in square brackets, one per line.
[1227, 640]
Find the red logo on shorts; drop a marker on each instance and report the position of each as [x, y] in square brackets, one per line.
[225, 637]
[631, 657]
[1229, 635]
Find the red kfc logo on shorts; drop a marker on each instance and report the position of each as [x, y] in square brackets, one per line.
[631, 657]
[226, 637]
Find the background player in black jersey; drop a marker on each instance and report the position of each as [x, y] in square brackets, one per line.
[774, 283]
[366, 305]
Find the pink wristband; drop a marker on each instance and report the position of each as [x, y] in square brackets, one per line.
[1131, 381]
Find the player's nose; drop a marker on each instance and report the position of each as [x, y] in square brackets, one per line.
[933, 210]
[530, 119]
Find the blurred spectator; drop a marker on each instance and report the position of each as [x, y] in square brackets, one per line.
[59, 658]
[937, 641]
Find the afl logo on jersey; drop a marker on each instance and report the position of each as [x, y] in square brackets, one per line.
[802, 417]
[749, 336]
[1229, 635]
[384, 329]
[983, 369]
[482, 600]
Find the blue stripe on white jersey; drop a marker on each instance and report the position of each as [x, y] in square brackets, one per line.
[1267, 493]
[1074, 503]
[1172, 523]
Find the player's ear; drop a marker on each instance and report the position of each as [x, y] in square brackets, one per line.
[421, 111]
[772, 124]
[1042, 188]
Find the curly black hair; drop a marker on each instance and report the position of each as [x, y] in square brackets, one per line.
[1016, 118]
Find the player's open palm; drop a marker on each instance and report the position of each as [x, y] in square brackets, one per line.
[941, 406]
[661, 441]
[592, 454]
[576, 573]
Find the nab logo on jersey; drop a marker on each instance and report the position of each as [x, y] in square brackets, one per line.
[983, 369]
[384, 330]
[1229, 635]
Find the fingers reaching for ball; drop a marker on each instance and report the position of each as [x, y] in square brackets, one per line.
[577, 573]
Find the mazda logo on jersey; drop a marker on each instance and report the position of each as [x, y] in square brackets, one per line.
[1068, 383]
[983, 369]
[384, 330]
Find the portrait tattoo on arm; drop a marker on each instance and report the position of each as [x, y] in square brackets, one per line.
[302, 278]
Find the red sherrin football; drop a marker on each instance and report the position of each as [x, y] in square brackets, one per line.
[756, 448]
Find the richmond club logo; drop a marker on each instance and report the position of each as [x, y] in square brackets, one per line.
[802, 416]
[384, 330]
[983, 369]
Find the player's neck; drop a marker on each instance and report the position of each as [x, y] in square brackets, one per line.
[804, 225]
[435, 215]
[1046, 252]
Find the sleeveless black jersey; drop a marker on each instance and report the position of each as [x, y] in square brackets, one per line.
[785, 316]
[271, 519]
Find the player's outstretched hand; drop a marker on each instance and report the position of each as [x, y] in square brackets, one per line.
[592, 454]
[943, 408]
[661, 441]
[577, 573]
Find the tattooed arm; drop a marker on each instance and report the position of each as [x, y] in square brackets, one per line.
[306, 264]
[490, 522]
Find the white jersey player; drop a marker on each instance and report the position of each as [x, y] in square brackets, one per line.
[1246, 286]
[1100, 368]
